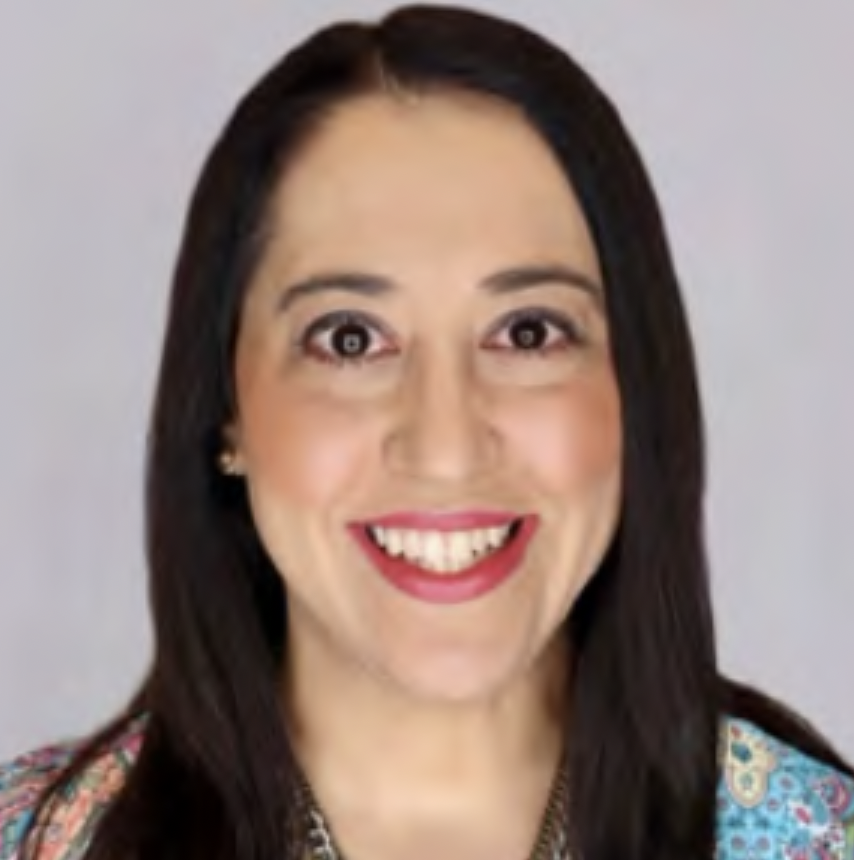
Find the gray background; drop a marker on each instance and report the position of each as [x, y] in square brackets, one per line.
[746, 116]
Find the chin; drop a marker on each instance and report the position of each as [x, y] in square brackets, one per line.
[459, 676]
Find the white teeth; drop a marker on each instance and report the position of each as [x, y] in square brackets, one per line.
[479, 540]
[460, 549]
[393, 542]
[442, 552]
[495, 536]
[410, 541]
[433, 550]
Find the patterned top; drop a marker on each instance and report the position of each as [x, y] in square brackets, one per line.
[774, 803]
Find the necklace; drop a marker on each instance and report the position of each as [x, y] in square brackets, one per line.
[552, 841]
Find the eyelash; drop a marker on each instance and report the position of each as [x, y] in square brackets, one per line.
[571, 332]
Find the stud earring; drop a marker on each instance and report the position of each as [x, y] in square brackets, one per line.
[227, 462]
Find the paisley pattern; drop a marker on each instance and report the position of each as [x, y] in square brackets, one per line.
[774, 803]
[72, 820]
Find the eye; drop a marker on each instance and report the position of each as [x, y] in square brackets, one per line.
[345, 338]
[535, 331]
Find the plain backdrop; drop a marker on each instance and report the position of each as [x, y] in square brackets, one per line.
[745, 115]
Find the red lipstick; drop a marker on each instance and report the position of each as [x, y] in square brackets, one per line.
[473, 582]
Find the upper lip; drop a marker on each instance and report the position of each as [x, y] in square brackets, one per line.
[443, 521]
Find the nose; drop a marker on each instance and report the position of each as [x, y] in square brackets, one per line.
[442, 429]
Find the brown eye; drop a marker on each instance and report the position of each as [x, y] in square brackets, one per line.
[351, 340]
[531, 333]
[345, 338]
[535, 331]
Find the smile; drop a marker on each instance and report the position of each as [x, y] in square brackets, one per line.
[446, 558]
[442, 552]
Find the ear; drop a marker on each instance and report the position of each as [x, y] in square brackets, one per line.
[230, 459]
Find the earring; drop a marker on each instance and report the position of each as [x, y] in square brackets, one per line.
[227, 462]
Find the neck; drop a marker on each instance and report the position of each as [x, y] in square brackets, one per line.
[373, 752]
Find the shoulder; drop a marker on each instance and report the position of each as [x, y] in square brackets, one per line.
[24, 780]
[774, 801]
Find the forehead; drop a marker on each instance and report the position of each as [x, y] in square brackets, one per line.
[428, 177]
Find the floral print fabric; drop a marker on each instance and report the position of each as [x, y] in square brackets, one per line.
[72, 820]
[774, 803]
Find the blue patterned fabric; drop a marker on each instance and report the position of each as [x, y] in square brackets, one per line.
[774, 803]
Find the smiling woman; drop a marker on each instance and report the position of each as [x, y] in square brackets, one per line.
[455, 376]
[425, 499]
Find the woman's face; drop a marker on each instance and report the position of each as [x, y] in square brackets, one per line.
[422, 360]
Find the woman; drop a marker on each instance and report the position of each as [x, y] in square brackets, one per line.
[424, 499]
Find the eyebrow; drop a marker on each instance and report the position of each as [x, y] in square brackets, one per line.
[512, 280]
[527, 277]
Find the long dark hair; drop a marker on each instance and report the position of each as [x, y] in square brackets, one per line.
[215, 777]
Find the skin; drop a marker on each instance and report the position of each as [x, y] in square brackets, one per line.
[436, 729]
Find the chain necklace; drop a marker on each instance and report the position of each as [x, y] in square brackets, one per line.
[552, 840]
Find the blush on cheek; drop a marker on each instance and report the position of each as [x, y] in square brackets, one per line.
[571, 439]
[310, 451]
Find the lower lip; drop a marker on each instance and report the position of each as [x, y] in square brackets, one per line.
[430, 587]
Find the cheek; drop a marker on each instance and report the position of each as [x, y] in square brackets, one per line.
[570, 437]
[305, 449]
